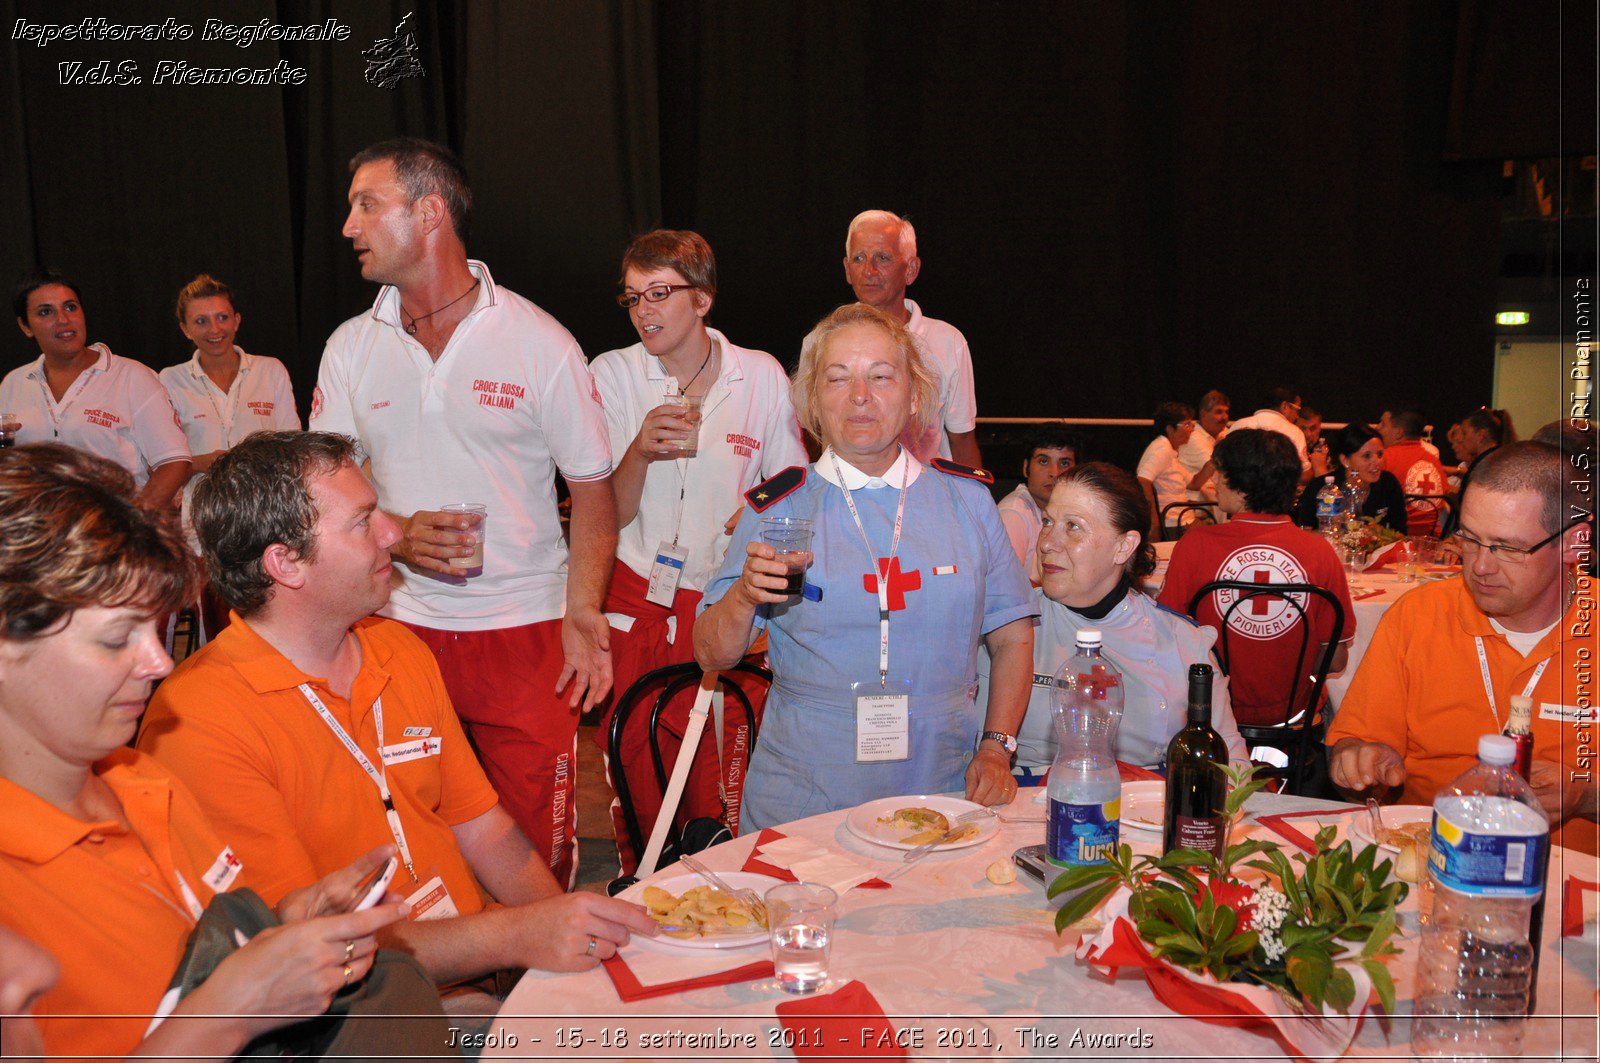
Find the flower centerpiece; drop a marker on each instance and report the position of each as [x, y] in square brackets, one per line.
[1366, 536]
[1254, 936]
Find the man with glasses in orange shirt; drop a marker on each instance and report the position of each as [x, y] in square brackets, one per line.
[1447, 658]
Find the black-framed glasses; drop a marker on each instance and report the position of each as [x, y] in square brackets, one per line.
[654, 294]
[1513, 555]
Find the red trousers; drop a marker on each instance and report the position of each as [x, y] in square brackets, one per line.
[643, 649]
[502, 684]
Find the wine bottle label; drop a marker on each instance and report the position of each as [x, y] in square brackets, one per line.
[1498, 865]
[1199, 832]
[1082, 834]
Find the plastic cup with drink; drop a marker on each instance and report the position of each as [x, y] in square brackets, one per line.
[791, 538]
[800, 916]
[690, 406]
[473, 562]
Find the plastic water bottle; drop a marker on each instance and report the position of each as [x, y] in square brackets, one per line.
[1330, 508]
[1085, 788]
[1475, 963]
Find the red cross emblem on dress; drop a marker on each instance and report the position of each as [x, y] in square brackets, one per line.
[899, 582]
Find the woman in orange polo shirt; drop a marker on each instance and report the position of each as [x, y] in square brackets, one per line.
[105, 860]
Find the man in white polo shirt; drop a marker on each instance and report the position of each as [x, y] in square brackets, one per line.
[880, 262]
[1277, 414]
[463, 392]
[82, 395]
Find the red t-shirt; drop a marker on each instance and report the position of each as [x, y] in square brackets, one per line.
[1264, 634]
[1419, 473]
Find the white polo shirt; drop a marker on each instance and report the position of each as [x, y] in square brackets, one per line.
[748, 433]
[509, 403]
[260, 399]
[1159, 464]
[1273, 421]
[1022, 519]
[116, 408]
[945, 350]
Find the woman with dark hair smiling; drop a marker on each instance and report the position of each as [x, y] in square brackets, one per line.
[1357, 454]
[1092, 553]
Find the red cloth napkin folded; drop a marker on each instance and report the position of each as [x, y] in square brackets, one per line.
[1134, 773]
[629, 988]
[851, 1023]
[1299, 839]
[1572, 905]
[757, 866]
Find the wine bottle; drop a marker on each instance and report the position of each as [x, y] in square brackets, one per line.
[1197, 785]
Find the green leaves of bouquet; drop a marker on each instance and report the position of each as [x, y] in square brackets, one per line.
[1296, 931]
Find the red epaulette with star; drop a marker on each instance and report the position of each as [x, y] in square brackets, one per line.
[983, 476]
[764, 496]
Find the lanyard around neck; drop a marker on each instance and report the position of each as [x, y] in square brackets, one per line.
[231, 396]
[1488, 684]
[378, 777]
[872, 559]
[54, 410]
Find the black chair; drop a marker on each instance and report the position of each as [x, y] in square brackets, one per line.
[1173, 527]
[662, 685]
[1299, 738]
[1443, 512]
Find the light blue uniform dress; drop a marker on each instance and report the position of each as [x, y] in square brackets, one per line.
[1154, 647]
[959, 580]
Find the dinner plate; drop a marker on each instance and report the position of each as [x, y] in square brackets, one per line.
[678, 885]
[1142, 804]
[1393, 816]
[863, 820]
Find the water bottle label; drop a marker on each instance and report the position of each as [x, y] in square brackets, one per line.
[1492, 865]
[1082, 834]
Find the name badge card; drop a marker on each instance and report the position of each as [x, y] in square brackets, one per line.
[432, 899]
[665, 574]
[883, 723]
[414, 749]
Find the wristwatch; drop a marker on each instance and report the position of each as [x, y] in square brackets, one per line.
[1007, 742]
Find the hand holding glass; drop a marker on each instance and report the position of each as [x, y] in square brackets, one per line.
[473, 560]
[688, 446]
[790, 537]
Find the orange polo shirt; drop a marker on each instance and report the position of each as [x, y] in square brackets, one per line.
[105, 900]
[1419, 689]
[231, 723]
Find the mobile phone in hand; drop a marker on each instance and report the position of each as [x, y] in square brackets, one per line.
[375, 885]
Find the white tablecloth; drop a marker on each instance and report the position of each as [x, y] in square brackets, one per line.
[1369, 607]
[949, 954]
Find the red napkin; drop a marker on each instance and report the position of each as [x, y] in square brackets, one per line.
[757, 866]
[1572, 905]
[629, 988]
[851, 1023]
[1376, 592]
[1134, 773]
[1299, 839]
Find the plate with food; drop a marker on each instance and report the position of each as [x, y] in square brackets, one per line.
[695, 915]
[917, 819]
[1407, 832]
[1143, 804]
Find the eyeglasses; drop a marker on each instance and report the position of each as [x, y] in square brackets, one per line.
[1512, 555]
[656, 294]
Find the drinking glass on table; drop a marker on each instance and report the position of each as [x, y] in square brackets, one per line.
[474, 560]
[791, 538]
[800, 917]
[1408, 560]
[1354, 562]
[689, 446]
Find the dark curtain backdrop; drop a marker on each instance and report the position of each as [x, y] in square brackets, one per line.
[1117, 202]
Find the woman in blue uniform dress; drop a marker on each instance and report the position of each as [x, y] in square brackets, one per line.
[847, 722]
[1092, 553]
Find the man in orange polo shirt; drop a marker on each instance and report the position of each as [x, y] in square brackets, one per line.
[310, 730]
[1447, 658]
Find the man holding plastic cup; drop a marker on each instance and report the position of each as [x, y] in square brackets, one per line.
[461, 391]
[695, 421]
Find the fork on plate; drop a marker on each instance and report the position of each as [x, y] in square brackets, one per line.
[749, 897]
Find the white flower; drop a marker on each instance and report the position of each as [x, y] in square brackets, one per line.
[1271, 910]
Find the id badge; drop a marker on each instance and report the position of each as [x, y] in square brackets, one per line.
[883, 721]
[665, 574]
[432, 899]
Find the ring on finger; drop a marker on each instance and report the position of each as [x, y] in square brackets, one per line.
[347, 973]
[349, 950]
[594, 943]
